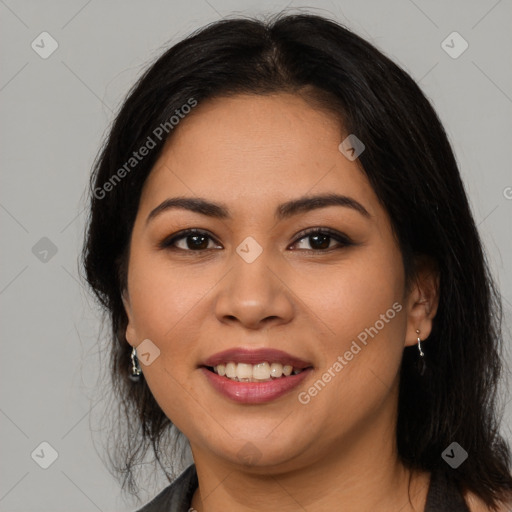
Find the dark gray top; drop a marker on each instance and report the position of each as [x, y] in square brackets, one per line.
[442, 495]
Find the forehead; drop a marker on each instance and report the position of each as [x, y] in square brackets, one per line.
[255, 150]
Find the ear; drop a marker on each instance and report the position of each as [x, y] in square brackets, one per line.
[422, 300]
[130, 326]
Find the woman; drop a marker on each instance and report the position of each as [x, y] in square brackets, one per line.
[281, 238]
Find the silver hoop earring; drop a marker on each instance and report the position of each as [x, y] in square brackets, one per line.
[419, 343]
[422, 366]
[135, 370]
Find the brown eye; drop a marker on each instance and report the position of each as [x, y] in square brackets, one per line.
[196, 242]
[321, 239]
[188, 240]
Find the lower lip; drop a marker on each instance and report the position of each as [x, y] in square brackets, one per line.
[254, 392]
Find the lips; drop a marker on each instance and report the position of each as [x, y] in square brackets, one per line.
[254, 393]
[255, 356]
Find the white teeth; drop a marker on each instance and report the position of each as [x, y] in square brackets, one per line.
[231, 370]
[244, 371]
[264, 371]
[261, 371]
[276, 370]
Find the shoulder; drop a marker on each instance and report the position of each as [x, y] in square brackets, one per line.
[475, 504]
[176, 496]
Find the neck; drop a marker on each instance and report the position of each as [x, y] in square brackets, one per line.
[362, 472]
[376, 481]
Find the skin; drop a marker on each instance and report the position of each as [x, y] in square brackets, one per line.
[252, 153]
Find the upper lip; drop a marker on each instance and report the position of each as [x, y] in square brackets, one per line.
[255, 356]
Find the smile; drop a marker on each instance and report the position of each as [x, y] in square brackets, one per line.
[255, 375]
[254, 391]
[261, 372]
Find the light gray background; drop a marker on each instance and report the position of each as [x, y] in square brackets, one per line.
[54, 113]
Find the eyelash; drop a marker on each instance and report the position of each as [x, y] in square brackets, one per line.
[342, 239]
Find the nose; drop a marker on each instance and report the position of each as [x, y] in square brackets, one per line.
[255, 295]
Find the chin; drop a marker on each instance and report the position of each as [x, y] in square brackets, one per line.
[262, 454]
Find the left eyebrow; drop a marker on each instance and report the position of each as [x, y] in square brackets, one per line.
[283, 211]
[304, 204]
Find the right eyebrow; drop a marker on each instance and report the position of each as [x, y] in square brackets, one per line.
[194, 204]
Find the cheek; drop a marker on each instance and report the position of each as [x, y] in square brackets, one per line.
[353, 295]
[163, 300]
[162, 296]
[361, 308]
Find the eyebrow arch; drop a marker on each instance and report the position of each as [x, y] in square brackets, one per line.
[308, 203]
[283, 211]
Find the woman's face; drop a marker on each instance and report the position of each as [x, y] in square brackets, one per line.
[258, 280]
